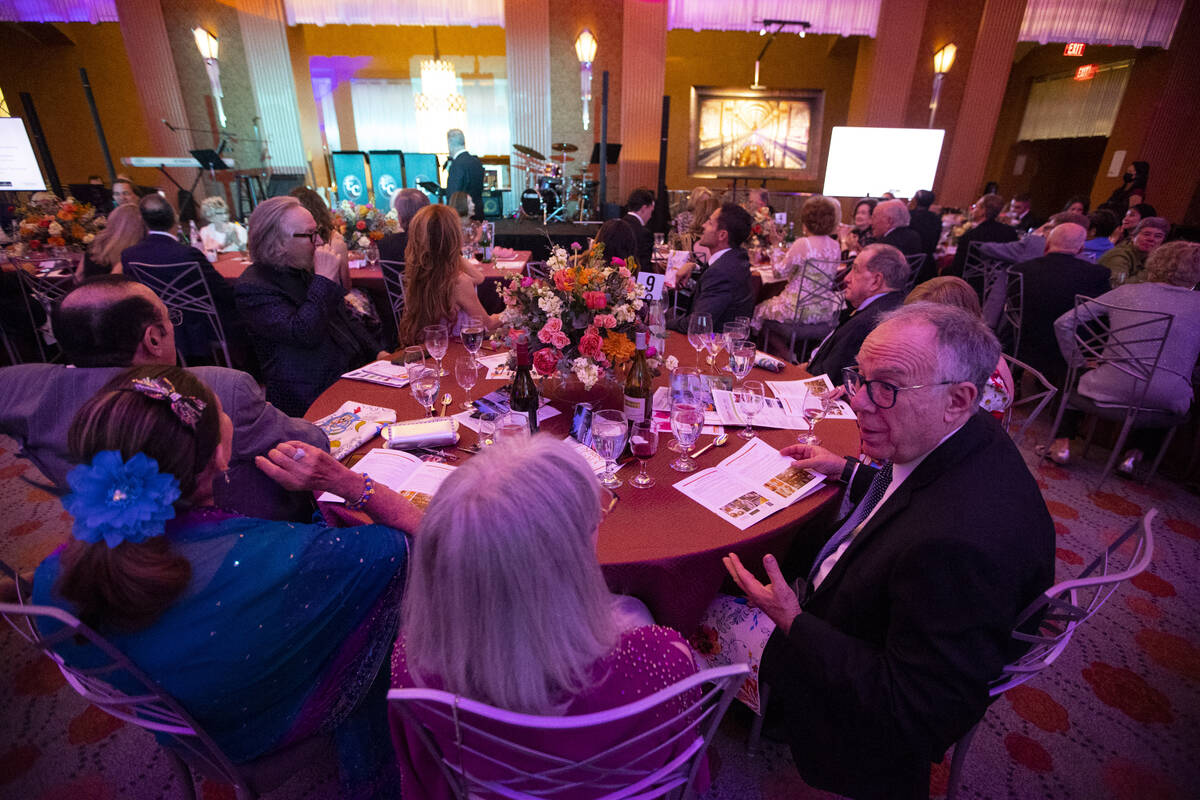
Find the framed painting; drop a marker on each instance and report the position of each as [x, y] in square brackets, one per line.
[755, 133]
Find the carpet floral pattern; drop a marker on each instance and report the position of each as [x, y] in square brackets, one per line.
[1117, 717]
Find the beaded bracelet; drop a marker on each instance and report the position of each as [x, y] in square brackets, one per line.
[367, 492]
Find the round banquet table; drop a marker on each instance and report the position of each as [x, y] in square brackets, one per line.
[657, 544]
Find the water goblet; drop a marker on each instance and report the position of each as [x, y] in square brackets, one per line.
[735, 332]
[685, 381]
[437, 340]
[749, 398]
[424, 388]
[609, 429]
[643, 441]
[687, 419]
[699, 327]
[466, 373]
[472, 335]
[741, 359]
[413, 359]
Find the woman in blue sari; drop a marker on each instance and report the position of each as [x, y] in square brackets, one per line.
[266, 632]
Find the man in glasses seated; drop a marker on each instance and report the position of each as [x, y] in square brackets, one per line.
[903, 618]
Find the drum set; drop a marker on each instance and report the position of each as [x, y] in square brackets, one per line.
[551, 190]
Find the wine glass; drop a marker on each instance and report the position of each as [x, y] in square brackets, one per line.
[687, 418]
[424, 388]
[714, 342]
[513, 425]
[741, 359]
[699, 327]
[466, 372]
[413, 359]
[656, 321]
[643, 441]
[816, 413]
[684, 380]
[437, 340]
[472, 335]
[734, 333]
[749, 398]
[487, 429]
[609, 429]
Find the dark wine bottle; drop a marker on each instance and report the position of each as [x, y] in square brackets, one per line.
[639, 388]
[523, 396]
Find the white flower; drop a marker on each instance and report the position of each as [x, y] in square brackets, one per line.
[364, 241]
[586, 371]
[511, 317]
[392, 215]
[55, 229]
[89, 238]
[637, 305]
[671, 363]
[551, 304]
[624, 313]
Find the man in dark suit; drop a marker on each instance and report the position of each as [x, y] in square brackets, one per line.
[638, 209]
[1023, 218]
[884, 660]
[1050, 285]
[927, 224]
[889, 225]
[723, 288]
[160, 252]
[986, 228]
[874, 285]
[465, 171]
[111, 323]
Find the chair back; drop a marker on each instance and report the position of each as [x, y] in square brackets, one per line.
[148, 706]
[647, 748]
[1065, 606]
[916, 263]
[393, 282]
[818, 281]
[537, 269]
[46, 292]
[1042, 397]
[183, 286]
[1011, 313]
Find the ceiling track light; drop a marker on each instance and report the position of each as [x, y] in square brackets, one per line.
[779, 25]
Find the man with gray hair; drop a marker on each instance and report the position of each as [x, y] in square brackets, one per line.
[889, 225]
[874, 285]
[464, 172]
[884, 658]
[1050, 285]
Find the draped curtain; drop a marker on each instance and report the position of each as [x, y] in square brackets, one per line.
[394, 12]
[843, 17]
[58, 11]
[1064, 108]
[1140, 23]
[385, 116]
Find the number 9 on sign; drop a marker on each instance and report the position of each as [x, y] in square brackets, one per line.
[653, 285]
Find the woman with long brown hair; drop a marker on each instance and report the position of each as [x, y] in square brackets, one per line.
[266, 632]
[437, 286]
[125, 228]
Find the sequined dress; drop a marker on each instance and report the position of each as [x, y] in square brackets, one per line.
[645, 660]
[283, 632]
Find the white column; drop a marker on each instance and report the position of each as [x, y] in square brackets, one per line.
[643, 72]
[265, 41]
[527, 50]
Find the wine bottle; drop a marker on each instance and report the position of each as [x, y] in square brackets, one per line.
[523, 395]
[638, 385]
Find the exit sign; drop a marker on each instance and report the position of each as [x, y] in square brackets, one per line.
[1086, 72]
[1074, 49]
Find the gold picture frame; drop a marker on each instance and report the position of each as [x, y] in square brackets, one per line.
[755, 133]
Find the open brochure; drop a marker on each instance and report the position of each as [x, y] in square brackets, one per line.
[797, 395]
[773, 414]
[750, 485]
[403, 473]
[497, 366]
[385, 373]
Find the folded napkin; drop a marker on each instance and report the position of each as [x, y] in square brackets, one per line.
[768, 362]
[503, 252]
[352, 425]
[424, 432]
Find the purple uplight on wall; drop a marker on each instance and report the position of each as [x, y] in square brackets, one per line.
[92, 11]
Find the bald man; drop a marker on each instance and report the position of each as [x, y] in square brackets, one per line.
[111, 323]
[1050, 285]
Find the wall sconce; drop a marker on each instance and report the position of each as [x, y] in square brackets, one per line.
[943, 60]
[585, 51]
[209, 45]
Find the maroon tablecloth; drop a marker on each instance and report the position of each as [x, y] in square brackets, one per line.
[657, 545]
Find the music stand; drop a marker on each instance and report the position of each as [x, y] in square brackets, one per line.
[209, 160]
[614, 150]
[433, 189]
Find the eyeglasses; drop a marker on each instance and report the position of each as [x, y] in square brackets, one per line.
[312, 236]
[881, 393]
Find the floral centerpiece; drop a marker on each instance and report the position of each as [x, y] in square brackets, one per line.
[763, 231]
[363, 225]
[49, 223]
[581, 318]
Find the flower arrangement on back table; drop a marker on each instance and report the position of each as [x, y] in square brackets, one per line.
[362, 225]
[51, 223]
[581, 319]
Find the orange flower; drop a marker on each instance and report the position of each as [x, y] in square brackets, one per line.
[375, 236]
[56, 241]
[586, 276]
[78, 232]
[618, 347]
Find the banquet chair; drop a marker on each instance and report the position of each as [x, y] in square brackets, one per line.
[487, 752]
[189, 749]
[816, 287]
[393, 282]
[1049, 622]
[183, 286]
[537, 269]
[1008, 327]
[916, 263]
[46, 292]
[1042, 397]
[1132, 349]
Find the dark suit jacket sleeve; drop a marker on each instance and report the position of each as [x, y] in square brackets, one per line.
[717, 287]
[923, 687]
[271, 316]
[456, 177]
[258, 426]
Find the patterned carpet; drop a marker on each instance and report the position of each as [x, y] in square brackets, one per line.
[1117, 717]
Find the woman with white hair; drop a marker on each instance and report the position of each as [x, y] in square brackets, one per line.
[220, 234]
[506, 603]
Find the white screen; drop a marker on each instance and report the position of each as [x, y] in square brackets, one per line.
[19, 170]
[870, 161]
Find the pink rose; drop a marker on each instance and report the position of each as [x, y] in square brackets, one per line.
[618, 262]
[624, 273]
[545, 361]
[591, 345]
[595, 300]
[651, 352]
[605, 321]
[552, 326]
[527, 281]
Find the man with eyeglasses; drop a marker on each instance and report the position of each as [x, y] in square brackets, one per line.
[108, 324]
[884, 658]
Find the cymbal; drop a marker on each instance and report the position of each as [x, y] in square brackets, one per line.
[528, 151]
[559, 159]
[564, 147]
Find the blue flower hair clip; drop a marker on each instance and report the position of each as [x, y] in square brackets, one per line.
[120, 501]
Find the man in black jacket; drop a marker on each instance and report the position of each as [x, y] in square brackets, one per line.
[464, 173]
[873, 286]
[723, 288]
[639, 207]
[889, 225]
[986, 229]
[884, 660]
[927, 224]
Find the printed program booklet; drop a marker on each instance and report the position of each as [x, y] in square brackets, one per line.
[797, 396]
[403, 473]
[750, 485]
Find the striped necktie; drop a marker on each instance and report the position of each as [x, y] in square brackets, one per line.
[875, 492]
